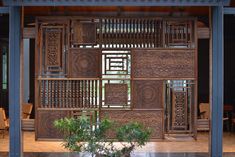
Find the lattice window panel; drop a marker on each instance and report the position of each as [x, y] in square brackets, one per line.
[69, 94]
[116, 63]
[179, 34]
[131, 33]
[179, 106]
[53, 43]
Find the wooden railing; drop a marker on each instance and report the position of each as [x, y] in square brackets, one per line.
[69, 93]
[130, 33]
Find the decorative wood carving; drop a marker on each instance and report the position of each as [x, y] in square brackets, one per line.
[116, 94]
[84, 32]
[77, 56]
[149, 118]
[53, 57]
[179, 33]
[180, 107]
[147, 94]
[85, 63]
[179, 110]
[163, 64]
[52, 49]
[45, 120]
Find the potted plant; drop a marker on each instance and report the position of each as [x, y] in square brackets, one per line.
[82, 135]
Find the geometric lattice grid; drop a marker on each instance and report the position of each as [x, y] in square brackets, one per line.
[116, 79]
[179, 33]
[116, 63]
[180, 105]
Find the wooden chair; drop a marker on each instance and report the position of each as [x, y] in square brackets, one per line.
[204, 116]
[4, 123]
[26, 110]
[204, 110]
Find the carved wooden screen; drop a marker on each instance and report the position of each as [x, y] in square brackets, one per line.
[116, 67]
[180, 106]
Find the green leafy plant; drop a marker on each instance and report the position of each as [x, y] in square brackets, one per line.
[82, 135]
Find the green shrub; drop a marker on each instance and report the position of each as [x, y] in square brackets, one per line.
[82, 135]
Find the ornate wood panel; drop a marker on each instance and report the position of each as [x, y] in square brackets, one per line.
[85, 63]
[116, 94]
[45, 120]
[84, 32]
[149, 118]
[165, 64]
[179, 33]
[53, 38]
[147, 94]
[53, 49]
[179, 108]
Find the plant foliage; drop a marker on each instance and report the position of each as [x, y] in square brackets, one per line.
[82, 135]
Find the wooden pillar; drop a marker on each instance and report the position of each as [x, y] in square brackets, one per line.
[217, 83]
[14, 83]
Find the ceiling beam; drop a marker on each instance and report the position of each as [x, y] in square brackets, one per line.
[115, 2]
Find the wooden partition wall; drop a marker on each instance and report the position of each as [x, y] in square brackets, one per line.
[127, 69]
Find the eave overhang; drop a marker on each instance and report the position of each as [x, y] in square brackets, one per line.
[116, 2]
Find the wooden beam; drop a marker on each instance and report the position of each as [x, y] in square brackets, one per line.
[115, 3]
[14, 84]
